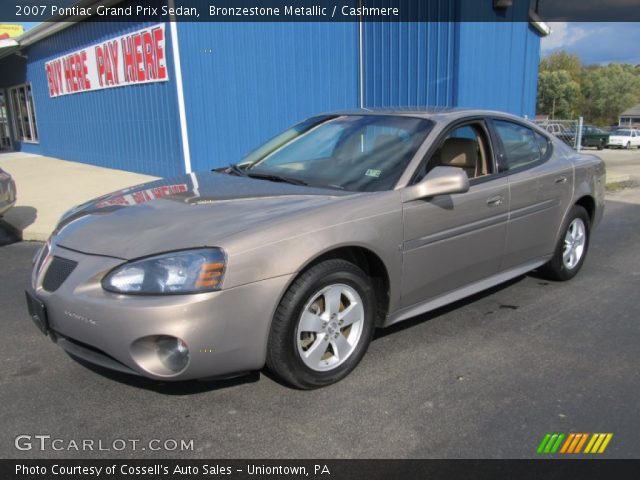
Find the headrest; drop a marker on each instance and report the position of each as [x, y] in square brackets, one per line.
[459, 152]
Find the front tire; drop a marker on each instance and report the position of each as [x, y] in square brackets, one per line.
[572, 247]
[323, 325]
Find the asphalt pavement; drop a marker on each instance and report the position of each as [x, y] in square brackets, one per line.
[487, 377]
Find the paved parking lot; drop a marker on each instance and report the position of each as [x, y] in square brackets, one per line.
[486, 377]
[622, 165]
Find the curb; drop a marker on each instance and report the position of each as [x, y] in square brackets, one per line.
[34, 236]
[23, 235]
[618, 179]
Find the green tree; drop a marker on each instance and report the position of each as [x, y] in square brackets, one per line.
[563, 61]
[607, 91]
[558, 94]
[568, 89]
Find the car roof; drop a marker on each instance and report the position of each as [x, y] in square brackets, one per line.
[438, 114]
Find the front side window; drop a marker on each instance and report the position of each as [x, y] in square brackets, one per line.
[465, 147]
[350, 152]
[23, 113]
[520, 145]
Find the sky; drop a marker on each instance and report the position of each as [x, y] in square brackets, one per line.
[595, 43]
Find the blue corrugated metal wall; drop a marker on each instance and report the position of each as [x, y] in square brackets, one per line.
[498, 66]
[132, 128]
[245, 82]
[411, 63]
[463, 64]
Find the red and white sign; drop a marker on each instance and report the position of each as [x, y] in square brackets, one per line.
[137, 57]
[142, 196]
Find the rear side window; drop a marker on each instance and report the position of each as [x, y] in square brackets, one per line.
[521, 147]
[543, 144]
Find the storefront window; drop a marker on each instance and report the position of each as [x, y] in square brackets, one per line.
[23, 113]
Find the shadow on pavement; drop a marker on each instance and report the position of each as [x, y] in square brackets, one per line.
[405, 324]
[7, 237]
[22, 216]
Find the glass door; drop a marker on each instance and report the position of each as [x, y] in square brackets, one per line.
[5, 135]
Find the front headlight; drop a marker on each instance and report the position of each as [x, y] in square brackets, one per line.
[186, 271]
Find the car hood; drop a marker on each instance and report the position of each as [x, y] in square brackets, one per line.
[183, 212]
[619, 137]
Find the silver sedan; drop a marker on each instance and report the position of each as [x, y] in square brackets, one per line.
[342, 224]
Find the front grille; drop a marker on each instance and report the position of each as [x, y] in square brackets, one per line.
[57, 273]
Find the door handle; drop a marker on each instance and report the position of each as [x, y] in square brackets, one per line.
[495, 201]
[561, 179]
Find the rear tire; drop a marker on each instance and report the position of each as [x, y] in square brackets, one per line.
[323, 325]
[572, 246]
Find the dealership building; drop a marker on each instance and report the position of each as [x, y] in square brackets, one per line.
[163, 98]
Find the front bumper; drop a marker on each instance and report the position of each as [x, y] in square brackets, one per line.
[226, 331]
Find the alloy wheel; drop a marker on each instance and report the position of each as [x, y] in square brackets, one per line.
[330, 327]
[574, 243]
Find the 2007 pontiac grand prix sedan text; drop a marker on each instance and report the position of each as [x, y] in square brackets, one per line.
[291, 258]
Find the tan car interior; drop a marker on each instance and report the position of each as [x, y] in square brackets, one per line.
[466, 153]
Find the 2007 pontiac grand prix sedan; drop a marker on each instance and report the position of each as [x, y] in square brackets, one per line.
[292, 257]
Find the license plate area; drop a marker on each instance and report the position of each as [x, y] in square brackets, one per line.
[37, 312]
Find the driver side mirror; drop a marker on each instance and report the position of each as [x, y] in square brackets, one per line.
[439, 181]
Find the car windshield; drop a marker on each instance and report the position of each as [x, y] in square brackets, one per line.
[622, 133]
[350, 152]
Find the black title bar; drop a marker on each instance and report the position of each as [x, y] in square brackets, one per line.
[322, 10]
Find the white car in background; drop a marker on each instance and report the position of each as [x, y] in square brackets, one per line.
[624, 138]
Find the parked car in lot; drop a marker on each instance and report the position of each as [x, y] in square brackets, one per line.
[624, 138]
[291, 258]
[591, 137]
[7, 192]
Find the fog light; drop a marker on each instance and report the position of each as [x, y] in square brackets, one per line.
[161, 355]
[172, 352]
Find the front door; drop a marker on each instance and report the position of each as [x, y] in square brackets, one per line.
[451, 241]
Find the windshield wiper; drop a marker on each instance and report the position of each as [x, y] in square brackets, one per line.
[275, 178]
[234, 169]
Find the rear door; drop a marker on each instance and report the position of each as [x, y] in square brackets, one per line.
[540, 187]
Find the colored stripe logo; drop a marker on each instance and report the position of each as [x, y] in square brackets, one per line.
[573, 443]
